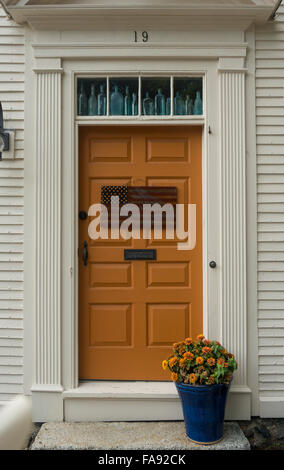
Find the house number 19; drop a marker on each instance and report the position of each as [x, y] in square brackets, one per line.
[144, 36]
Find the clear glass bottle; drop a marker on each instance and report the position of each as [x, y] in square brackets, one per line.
[188, 105]
[179, 105]
[116, 102]
[82, 102]
[127, 102]
[148, 105]
[92, 102]
[134, 105]
[160, 103]
[168, 106]
[102, 101]
[198, 107]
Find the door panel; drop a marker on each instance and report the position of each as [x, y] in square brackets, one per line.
[130, 312]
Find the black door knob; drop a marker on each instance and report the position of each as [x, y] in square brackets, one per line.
[212, 264]
[82, 215]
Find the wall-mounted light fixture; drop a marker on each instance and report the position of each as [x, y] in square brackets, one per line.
[4, 135]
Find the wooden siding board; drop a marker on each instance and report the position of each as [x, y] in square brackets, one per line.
[12, 64]
[270, 170]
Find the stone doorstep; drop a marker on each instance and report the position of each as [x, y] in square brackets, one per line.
[130, 436]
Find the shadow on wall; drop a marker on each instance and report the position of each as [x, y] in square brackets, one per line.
[15, 424]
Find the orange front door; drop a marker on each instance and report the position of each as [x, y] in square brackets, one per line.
[130, 312]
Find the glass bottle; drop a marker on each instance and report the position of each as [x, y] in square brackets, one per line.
[116, 102]
[127, 102]
[168, 107]
[148, 105]
[82, 102]
[188, 105]
[198, 108]
[160, 103]
[102, 101]
[134, 105]
[179, 105]
[92, 103]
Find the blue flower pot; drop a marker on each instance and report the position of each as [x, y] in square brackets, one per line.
[203, 410]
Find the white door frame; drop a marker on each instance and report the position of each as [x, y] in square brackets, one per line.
[224, 214]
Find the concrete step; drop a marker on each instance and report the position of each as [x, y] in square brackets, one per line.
[130, 436]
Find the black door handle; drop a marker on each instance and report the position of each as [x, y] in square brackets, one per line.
[85, 254]
[213, 264]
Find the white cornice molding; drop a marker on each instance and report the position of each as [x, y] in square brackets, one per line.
[48, 70]
[52, 51]
[66, 17]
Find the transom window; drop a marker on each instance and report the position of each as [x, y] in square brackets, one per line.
[132, 97]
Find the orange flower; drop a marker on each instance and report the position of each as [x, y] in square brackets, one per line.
[164, 365]
[176, 345]
[211, 379]
[199, 360]
[173, 361]
[188, 355]
[192, 378]
[206, 341]
[206, 350]
[174, 376]
[200, 337]
[211, 361]
[221, 361]
[182, 363]
[188, 341]
[226, 364]
[223, 351]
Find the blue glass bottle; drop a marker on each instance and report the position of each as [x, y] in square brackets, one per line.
[127, 102]
[168, 107]
[179, 105]
[160, 103]
[92, 102]
[102, 101]
[134, 106]
[148, 105]
[188, 105]
[198, 107]
[116, 102]
[82, 102]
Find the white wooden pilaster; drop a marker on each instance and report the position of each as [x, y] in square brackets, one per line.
[233, 224]
[47, 388]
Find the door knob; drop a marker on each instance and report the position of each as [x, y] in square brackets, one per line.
[82, 215]
[213, 264]
[85, 254]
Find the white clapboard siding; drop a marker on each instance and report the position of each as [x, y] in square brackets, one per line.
[270, 160]
[12, 63]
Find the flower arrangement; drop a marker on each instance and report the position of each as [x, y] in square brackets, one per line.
[200, 362]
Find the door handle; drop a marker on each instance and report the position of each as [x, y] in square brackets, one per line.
[85, 254]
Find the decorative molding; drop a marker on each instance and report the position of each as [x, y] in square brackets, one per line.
[233, 225]
[104, 14]
[232, 70]
[52, 51]
[48, 70]
[48, 233]
[50, 388]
